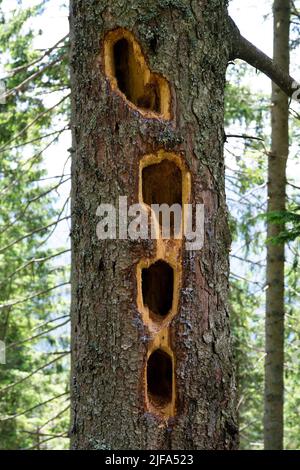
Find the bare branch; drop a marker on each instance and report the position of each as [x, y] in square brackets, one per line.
[3, 390]
[294, 10]
[28, 126]
[32, 296]
[293, 185]
[21, 87]
[33, 261]
[243, 136]
[27, 340]
[41, 325]
[245, 50]
[37, 139]
[34, 232]
[251, 191]
[12, 180]
[55, 225]
[54, 417]
[50, 178]
[245, 260]
[236, 276]
[17, 415]
[7, 226]
[63, 435]
[16, 70]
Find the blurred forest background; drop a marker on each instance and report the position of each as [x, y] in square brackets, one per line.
[35, 153]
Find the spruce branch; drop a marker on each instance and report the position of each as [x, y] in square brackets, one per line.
[28, 410]
[245, 50]
[47, 52]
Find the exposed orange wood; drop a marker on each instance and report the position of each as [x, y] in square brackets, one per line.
[143, 86]
[170, 251]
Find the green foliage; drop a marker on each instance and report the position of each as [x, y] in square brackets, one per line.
[34, 382]
[246, 163]
[30, 301]
[248, 330]
[241, 105]
[289, 221]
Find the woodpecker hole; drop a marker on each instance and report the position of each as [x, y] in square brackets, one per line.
[157, 289]
[130, 78]
[126, 66]
[160, 378]
[162, 184]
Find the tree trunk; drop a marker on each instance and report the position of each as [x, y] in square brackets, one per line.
[151, 355]
[274, 362]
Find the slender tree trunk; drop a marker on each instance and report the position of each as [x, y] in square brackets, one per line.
[274, 362]
[151, 356]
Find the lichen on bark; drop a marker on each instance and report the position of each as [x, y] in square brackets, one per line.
[186, 42]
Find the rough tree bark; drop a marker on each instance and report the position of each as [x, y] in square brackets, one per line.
[151, 358]
[115, 381]
[274, 361]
